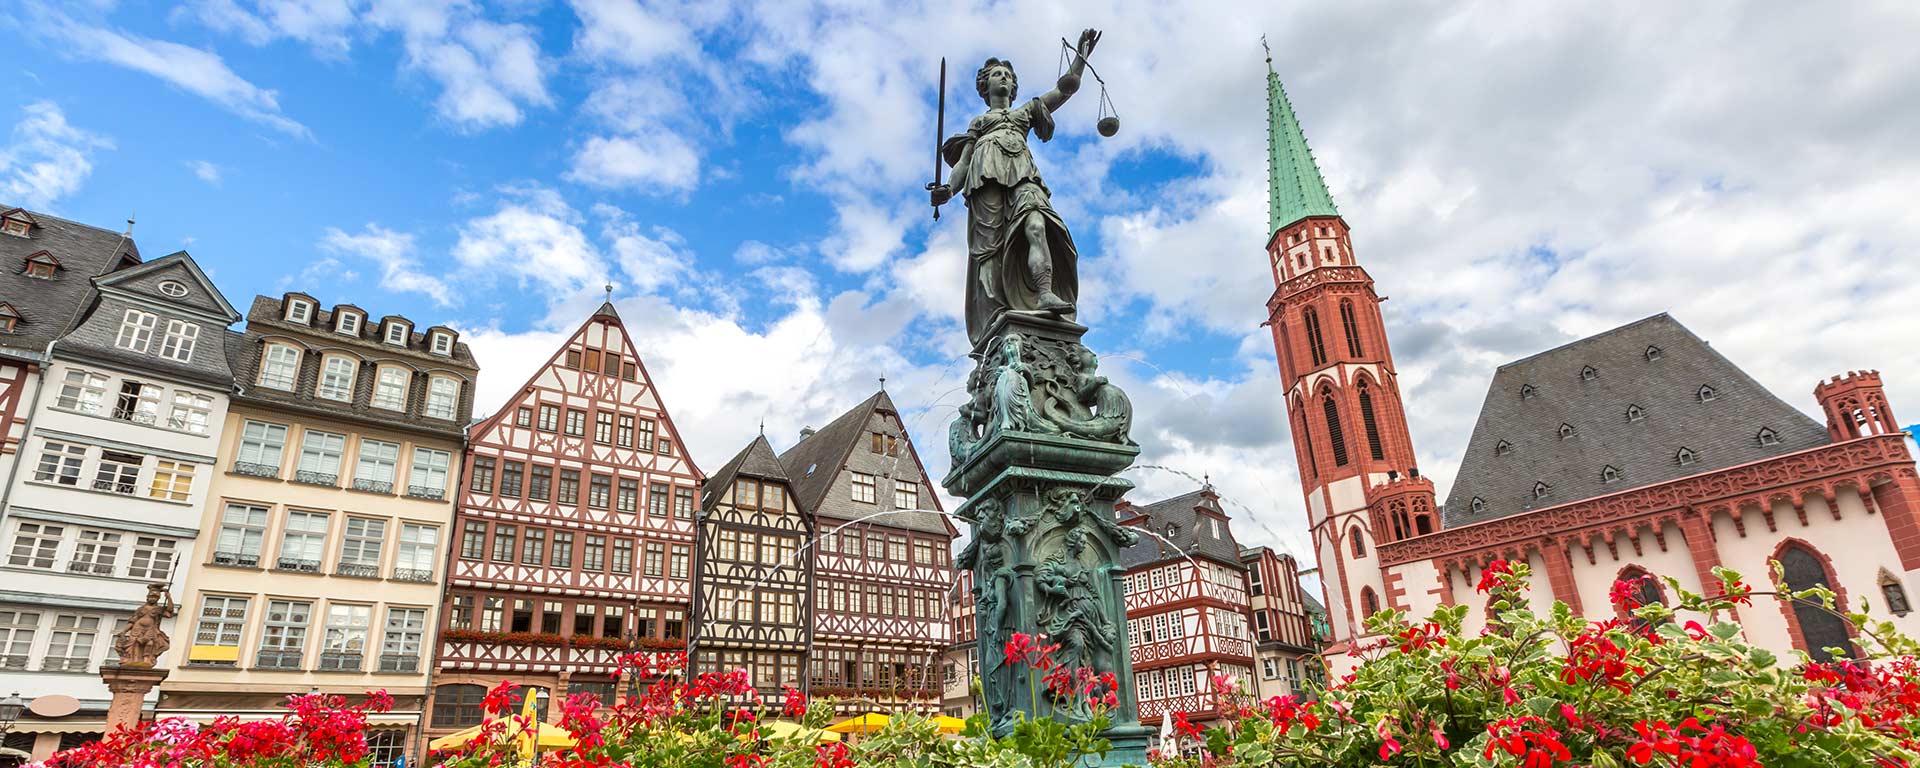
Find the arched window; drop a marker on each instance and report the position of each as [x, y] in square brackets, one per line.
[1334, 435]
[1636, 413]
[1366, 420]
[1609, 473]
[1589, 373]
[1706, 393]
[1351, 326]
[1423, 525]
[1306, 438]
[1767, 436]
[1359, 541]
[1819, 628]
[1895, 595]
[1315, 344]
[1369, 602]
[458, 706]
[1646, 591]
[1685, 456]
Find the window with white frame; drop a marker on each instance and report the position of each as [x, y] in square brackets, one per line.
[221, 620]
[136, 330]
[378, 465]
[360, 548]
[320, 457]
[117, 472]
[864, 487]
[905, 495]
[60, 463]
[138, 403]
[443, 344]
[82, 391]
[178, 343]
[397, 334]
[152, 558]
[299, 311]
[346, 322]
[390, 389]
[429, 472]
[262, 445]
[336, 378]
[279, 367]
[283, 633]
[35, 544]
[172, 480]
[70, 643]
[242, 529]
[17, 629]
[418, 547]
[443, 397]
[191, 412]
[402, 639]
[347, 627]
[303, 541]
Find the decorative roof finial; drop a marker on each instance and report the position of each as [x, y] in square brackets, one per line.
[883, 383]
[129, 232]
[1268, 49]
[609, 292]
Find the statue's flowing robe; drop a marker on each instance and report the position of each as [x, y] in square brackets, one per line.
[1002, 189]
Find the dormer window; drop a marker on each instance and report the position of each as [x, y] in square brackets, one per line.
[1172, 531]
[1609, 473]
[9, 318]
[1566, 430]
[346, 322]
[443, 343]
[397, 333]
[1478, 505]
[1686, 456]
[1636, 413]
[1588, 373]
[1653, 353]
[1527, 391]
[1768, 437]
[1502, 448]
[1541, 489]
[42, 265]
[299, 311]
[1706, 393]
[17, 222]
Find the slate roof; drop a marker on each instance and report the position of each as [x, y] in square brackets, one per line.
[47, 307]
[1722, 432]
[814, 463]
[756, 460]
[1189, 536]
[93, 337]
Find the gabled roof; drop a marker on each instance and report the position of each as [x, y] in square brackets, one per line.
[813, 464]
[177, 260]
[757, 460]
[21, 214]
[48, 307]
[1177, 519]
[1663, 390]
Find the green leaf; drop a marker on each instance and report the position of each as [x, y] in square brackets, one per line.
[1725, 630]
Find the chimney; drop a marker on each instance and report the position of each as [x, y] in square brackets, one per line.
[806, 432]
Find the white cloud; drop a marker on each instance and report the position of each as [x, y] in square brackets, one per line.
[322, 24]
[658, 163]
[205, 171]
[47, 159]
[400, 271]
[534, 236]
[200, 72]
[652, 259]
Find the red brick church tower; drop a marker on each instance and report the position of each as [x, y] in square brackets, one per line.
[1343, 396]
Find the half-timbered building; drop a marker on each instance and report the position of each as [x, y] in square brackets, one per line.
[883, 564]
[753, 575]
[1286, 639]
[574, 530]
[1186, 606]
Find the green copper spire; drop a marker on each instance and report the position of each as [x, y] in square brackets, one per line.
[1294, 187]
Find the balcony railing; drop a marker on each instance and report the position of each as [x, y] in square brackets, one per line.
[311, 477]
[273, 659]
[240, 559]
[256, 470]
[399, 663]
[413, 574]
[297, 565]
[339, 661]
[372, 486]
[13, 661]
[426, 492]
[359, 570]
[113, 486]
[63, 664]
[90, 568]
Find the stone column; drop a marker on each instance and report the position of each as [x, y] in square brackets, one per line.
[130, 686]
[1035, 454]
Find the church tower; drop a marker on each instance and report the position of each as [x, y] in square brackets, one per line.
[1344, 404]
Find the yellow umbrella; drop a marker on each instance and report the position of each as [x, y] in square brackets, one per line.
[542, 736]
[789, 730]
[950, 724]
[867, 723]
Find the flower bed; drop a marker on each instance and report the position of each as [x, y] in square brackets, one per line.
[1671, 688]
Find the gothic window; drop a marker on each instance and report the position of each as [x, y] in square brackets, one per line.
[1653, 353]
[1306, 438]
[1315, 343]
[1706, 393]
[1646, 591]
[1541, 489]
[1685, 456]
[1369, 602]
[1359, 542]
[1478, 505]
[1527, 391]
[1366, 419]
[1352, 327]
[1636, 413]
[1502, 448]
[1566, 430]
[1588, 373]
[1896, 595]
[1819, 628]
[1609, 474]
[1334, 436]
[1767, 436]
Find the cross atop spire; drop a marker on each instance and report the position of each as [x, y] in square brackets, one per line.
[1295, 189]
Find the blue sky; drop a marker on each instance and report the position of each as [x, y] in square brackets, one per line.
[748, 175]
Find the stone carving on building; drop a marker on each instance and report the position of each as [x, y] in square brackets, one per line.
[142, 642]
[1044, 386]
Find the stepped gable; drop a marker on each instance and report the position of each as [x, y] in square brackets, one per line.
[1614, 411]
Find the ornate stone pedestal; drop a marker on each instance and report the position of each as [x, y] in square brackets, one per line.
[130, 686]
[1035, 451]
